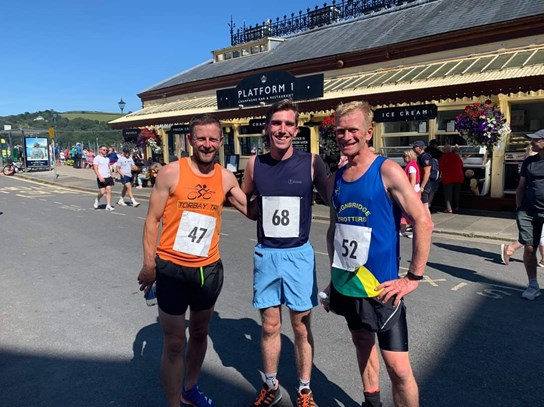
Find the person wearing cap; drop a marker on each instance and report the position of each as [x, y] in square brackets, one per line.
[124, 169]
[428, 185]
[530, 210]
[433, 150]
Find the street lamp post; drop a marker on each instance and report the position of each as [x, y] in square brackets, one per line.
[52, 135]
[121, 104]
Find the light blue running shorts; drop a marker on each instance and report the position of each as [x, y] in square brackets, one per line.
[284, 276]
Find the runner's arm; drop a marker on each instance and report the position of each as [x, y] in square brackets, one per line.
[249, 188]
[233, 192]
[426, 174]
[319, 176]
[95, 169]
[167, 177]
[403, 194]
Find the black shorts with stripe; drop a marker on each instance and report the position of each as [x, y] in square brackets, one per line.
[180, 287]
[370, 314]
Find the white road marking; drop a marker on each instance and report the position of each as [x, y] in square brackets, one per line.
[458, 286]
[71, 208]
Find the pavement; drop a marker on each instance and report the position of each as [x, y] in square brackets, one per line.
[491, 225]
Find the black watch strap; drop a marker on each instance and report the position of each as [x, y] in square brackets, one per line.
[412, 276]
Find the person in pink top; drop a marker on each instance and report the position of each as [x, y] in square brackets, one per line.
[90, 158]
[412, 171]
[451, 170]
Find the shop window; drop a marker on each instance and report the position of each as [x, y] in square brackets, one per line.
[402, 141]
[405, 127]
[445, 128]
[251, 144]
[445, 120]
[228, 141]
[398, 136]
[524, 118]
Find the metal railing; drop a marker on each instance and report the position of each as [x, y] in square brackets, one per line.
[319, 16]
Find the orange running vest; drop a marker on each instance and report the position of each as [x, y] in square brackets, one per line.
[197, 194]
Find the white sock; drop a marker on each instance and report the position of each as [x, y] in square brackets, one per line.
[270, 380]
[303, 384]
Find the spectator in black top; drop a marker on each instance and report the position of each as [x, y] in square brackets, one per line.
[433, 150]
[429, 181]
[530, 210]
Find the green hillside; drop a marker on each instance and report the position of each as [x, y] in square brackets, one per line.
[99, 116]
[88, 128]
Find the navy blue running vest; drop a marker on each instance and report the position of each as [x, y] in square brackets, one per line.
[291, 177]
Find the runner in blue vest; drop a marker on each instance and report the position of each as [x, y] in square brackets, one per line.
[368, 196]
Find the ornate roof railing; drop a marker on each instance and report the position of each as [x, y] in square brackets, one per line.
[319, 16]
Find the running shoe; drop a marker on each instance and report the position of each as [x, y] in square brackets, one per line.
[194, 397]
[135, 203]
[541, 263]
[305, 398]
[121, 202]
[267, 396]
[110, 208]
[96, 203]
[531, 293]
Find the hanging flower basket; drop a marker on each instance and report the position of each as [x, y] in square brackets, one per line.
[482, 124]
[327, 141]
[148, 138]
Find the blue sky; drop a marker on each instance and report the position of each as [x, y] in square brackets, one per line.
[86, 55]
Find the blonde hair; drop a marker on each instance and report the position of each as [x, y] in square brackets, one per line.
[411, 154]
[363, 106]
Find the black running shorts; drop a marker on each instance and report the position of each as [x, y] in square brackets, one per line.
[180, 287]
[388, 322]
[108, 182]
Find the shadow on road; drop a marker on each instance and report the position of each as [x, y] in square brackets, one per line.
[36, 379]
[237, 343]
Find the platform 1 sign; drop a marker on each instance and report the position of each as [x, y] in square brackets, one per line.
[269, 88]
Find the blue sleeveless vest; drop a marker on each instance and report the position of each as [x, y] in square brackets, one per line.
[291, 177]
[365, 202]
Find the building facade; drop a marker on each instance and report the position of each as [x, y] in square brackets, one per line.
[418, 63]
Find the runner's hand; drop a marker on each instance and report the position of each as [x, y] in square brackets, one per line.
[399, 287]
[146, 278]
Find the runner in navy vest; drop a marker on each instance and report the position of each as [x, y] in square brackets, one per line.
[284, 267]
[368, 196]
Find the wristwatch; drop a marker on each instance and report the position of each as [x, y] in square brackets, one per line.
[412, 276]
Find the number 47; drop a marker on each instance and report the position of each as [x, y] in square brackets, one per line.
[193, 234]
